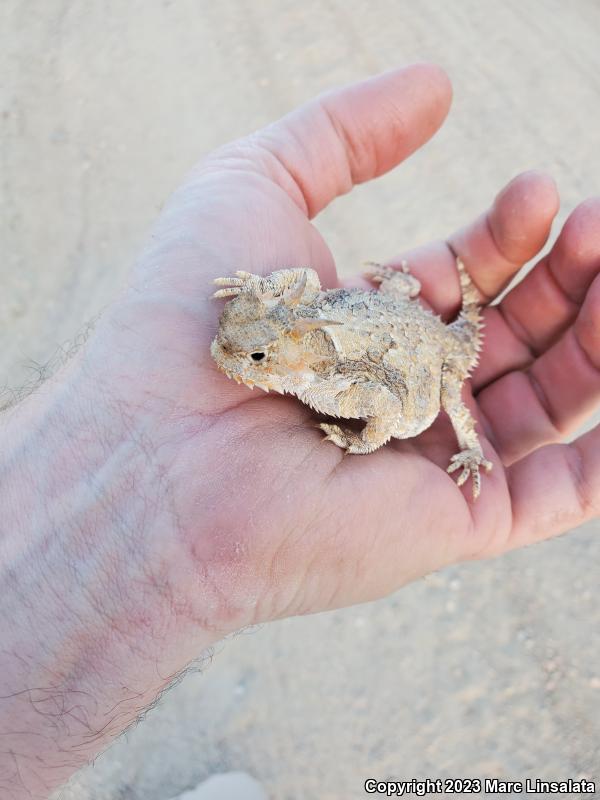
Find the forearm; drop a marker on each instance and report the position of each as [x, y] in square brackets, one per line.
[91, 622]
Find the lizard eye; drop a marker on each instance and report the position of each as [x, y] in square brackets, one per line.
[258, 356]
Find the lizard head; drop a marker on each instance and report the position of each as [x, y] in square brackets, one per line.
[260, 340]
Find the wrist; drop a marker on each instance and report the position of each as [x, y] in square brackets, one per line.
[97, 609]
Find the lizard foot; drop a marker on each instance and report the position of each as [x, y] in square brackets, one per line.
[397, 282]
[470, 461]
[348, 440]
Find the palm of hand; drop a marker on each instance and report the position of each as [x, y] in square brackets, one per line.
[307, 527]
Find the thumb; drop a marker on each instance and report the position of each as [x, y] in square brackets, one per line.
[349, 135]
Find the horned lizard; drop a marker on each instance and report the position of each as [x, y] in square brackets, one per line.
[379, 356]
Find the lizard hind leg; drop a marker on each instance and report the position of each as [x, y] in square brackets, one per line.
[470, 458]
[398, 283]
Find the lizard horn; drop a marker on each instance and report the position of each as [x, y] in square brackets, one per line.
[303, 325]
[294, 294]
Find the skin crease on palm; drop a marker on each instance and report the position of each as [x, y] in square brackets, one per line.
[297, 526]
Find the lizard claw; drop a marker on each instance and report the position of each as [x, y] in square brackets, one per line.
[470, 461]
[334, 434]
[232, 286]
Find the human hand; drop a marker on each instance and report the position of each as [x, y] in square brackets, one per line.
[151, 506]
[280, 520]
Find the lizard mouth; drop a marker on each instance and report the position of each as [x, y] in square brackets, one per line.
[251, 384]
[246, 381]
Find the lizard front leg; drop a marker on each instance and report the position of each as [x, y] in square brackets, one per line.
[369, 401]
[376, 433]
[471, 457]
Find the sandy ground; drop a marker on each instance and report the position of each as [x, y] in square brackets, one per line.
[484, 670]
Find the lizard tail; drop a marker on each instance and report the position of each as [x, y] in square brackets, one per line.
[469, 323]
